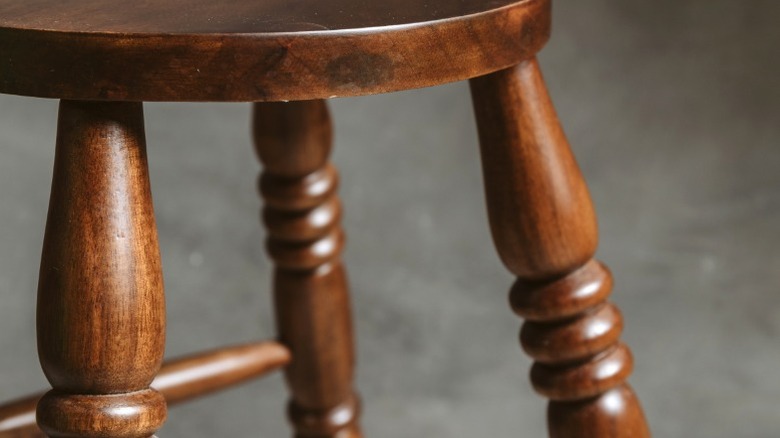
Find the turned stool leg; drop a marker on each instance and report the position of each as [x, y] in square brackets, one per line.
[545, 231]
[302, 214]
[101, 310]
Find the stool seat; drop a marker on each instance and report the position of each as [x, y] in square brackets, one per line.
[257, 50]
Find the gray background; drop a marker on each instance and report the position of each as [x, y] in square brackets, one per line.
[672, 108]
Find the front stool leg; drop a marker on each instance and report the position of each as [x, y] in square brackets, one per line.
[303, 217]
[101, 310]
[544, 227]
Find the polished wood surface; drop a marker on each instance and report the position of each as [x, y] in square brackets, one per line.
[544, 228]
[242, 16]
[303, 217]
[179, 380]
[101, 310]
[271, 50]
[194, 376]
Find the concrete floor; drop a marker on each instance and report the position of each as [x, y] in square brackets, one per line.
[672, 107]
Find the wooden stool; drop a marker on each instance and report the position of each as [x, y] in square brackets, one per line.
[101, 316]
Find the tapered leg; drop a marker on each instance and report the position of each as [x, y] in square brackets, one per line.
[302, 214]
[101, 310]
[544, 228]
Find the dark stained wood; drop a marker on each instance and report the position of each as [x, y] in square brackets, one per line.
[101, 309]
[17, 418]
[178, 381]
[302, 215]
[544, 228]
[267, 16]
[271, 50]
[101, 306]
[191, 377]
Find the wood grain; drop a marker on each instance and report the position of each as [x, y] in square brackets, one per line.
[544, 228]
[179, 380]
[257, 51]
[101, 322]
[302, 215]
[101, 309]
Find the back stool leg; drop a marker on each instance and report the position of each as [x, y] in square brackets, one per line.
[101, 310]
[544, 228]
[302, 214]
